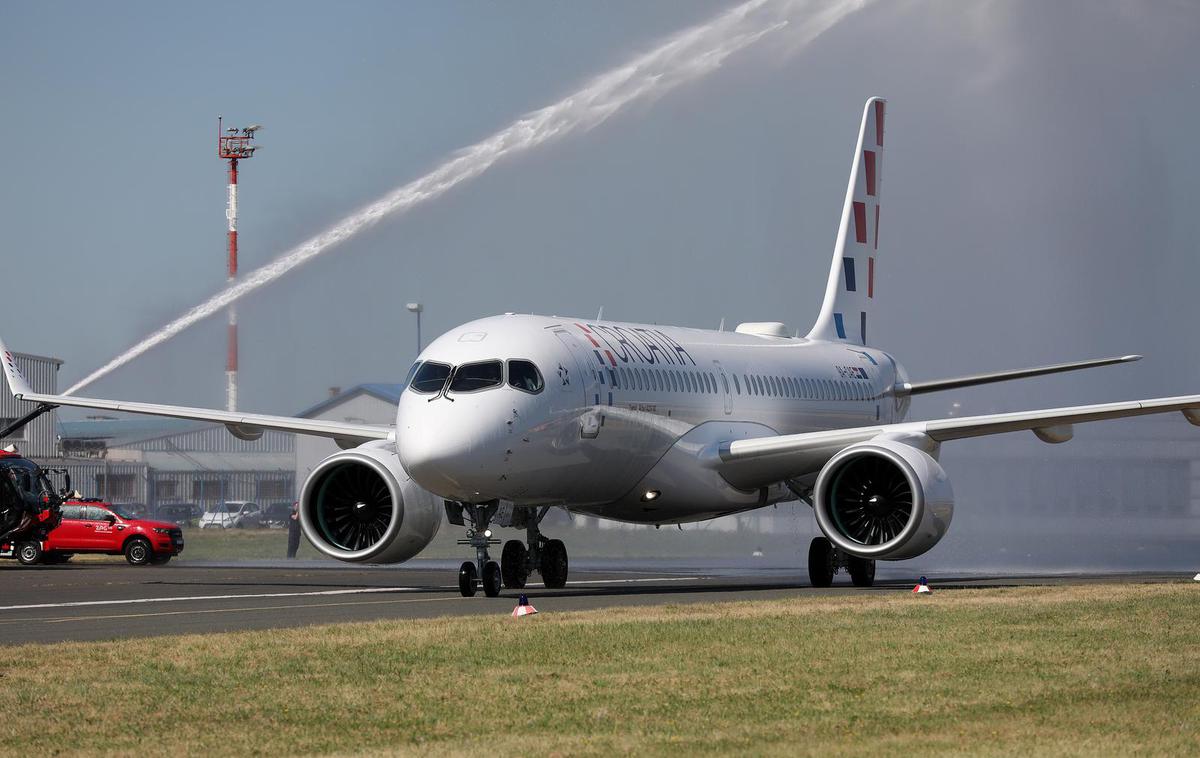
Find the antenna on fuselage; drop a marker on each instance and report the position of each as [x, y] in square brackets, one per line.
[721, 326]
[600, 314]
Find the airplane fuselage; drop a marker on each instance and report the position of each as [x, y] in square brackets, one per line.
[625, 412]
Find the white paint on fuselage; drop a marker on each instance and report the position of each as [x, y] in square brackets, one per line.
[628, 408]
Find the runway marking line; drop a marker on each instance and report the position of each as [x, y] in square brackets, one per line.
[130, 601]
[318, 593]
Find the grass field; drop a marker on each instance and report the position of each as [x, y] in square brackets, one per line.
[1084, 670]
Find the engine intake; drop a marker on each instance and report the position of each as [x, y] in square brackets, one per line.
[361, 506]
[883, 499]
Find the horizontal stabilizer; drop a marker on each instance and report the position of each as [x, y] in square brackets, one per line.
[919, 388]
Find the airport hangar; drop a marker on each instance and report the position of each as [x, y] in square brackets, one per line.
[1143, 473]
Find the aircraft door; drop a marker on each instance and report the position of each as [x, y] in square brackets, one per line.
[576, 376]
[725, 389]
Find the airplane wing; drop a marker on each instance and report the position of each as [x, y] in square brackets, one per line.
[938, 385]
[761, 461]
[247, 426]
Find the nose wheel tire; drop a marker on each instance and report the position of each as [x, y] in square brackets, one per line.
[513, 567]
[862, 571]
[29, 553]
[491, 579]
[554, 564]
[820, 562]
[468, 579]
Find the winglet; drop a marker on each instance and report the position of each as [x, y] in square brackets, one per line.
[16, 380]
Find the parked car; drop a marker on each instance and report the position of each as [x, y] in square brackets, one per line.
[277, 515]
[92, 526]
[232, 514]
[183, 514]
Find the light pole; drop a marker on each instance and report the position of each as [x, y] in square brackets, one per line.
[233, 145]
[416, 308]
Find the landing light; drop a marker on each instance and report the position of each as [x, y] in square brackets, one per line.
[650, 495]
[487, 532]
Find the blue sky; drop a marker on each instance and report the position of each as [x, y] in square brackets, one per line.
[1037, 201]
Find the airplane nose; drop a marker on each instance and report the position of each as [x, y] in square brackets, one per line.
[447, 458]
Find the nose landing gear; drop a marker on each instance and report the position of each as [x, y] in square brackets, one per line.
[480, 538]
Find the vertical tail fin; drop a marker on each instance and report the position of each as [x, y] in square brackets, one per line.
[847, 313]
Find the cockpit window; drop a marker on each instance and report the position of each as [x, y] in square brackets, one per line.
[430, 378]
[524, 376]
[411, 373]
[472, 377]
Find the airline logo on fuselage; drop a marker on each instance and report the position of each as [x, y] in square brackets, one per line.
[635, 345]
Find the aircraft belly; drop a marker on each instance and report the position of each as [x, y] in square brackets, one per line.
[679, 488]
[591, 456]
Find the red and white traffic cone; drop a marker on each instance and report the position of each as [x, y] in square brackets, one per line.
[523, 608]
[922, 587]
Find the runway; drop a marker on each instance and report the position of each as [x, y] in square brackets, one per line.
[94, 601]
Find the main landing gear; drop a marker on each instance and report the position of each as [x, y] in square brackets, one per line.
[517, 560]
[825, 559]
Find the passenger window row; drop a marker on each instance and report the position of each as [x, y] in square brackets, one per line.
[803, 388]
[675, 380]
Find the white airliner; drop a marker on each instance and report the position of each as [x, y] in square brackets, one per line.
[505, 417]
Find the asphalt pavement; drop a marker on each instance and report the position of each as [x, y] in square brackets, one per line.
[94, 601]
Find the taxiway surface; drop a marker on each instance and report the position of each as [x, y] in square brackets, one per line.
[91, 601]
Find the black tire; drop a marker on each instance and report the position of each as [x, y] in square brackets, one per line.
[467, 579]
[29, 553]
[862, 571]
[160, 560]
[554, 565]
[491, 579]
[138, 552]
[820, 562]
[512, 564]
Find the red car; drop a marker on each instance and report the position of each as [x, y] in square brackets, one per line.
[92, 526]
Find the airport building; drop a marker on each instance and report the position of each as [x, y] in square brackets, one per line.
[39, 438]
[166, 462]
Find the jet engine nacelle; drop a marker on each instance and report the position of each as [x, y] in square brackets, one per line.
[360, 505]
[883, 499]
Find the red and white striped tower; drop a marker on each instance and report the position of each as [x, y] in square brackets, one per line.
[233, 145]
